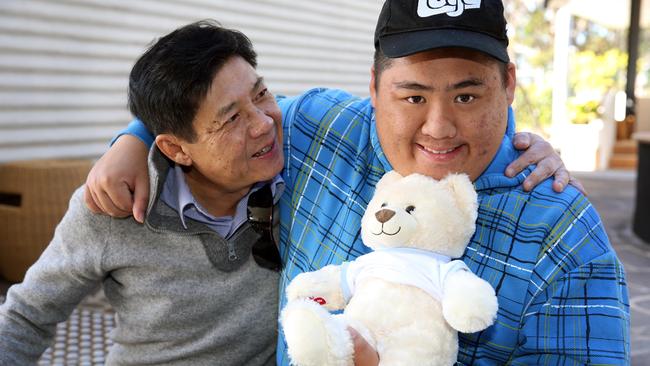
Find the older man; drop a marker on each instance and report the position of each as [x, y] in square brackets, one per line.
[440, 94]
[188, 289]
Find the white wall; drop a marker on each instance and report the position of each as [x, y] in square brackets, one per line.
[64, 64]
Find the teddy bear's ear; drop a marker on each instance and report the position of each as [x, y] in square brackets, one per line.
[463, 192]
[388, 179]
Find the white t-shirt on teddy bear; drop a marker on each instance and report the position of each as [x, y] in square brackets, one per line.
[409, 266]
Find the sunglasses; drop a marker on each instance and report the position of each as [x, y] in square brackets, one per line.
[260, 216]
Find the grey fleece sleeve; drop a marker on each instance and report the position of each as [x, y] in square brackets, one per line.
[68, 269]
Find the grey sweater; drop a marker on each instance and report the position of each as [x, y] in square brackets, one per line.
[179, 299]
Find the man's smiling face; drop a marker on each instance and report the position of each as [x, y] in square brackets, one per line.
[238, 132]
[442, 111]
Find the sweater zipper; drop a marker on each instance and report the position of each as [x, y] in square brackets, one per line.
[232, 256]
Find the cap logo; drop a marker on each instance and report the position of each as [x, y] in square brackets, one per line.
[452, 8]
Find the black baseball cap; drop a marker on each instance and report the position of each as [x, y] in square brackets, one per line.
[406, 27]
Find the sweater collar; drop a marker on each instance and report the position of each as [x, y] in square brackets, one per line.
[160, 167]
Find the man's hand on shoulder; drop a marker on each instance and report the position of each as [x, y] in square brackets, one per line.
[539, 151]
[118, 183]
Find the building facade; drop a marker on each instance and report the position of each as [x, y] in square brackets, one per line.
[64, 64]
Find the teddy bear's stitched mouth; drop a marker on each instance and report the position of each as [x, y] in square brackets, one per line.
[383, 232]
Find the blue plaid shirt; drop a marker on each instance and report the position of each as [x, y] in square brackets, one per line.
[562, 293]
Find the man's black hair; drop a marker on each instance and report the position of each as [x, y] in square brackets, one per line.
[170, 80]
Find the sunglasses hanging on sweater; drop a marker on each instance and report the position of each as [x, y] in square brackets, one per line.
[260, 216]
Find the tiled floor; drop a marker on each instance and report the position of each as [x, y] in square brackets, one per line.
[612, 193]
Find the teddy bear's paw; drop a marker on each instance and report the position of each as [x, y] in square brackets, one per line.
[322, 286]
[469, 303]
[314, 336]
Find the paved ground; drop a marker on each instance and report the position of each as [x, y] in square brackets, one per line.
[612, 193]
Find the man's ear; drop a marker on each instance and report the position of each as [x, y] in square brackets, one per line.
[511, 82]
[373, 87]
[172, 147]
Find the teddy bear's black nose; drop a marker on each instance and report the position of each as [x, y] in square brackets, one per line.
[384, 215]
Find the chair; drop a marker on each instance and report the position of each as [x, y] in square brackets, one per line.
[34, 196]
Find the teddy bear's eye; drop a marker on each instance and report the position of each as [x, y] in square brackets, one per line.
[384, 204]
[410, 209]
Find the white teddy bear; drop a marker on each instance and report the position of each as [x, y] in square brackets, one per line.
[407, 298]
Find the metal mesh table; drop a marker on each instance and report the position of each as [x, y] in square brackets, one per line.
[82, 340]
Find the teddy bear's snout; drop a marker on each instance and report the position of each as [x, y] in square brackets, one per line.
[384, 215]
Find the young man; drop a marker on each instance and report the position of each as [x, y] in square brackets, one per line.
[186, 289]
[440, 94]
